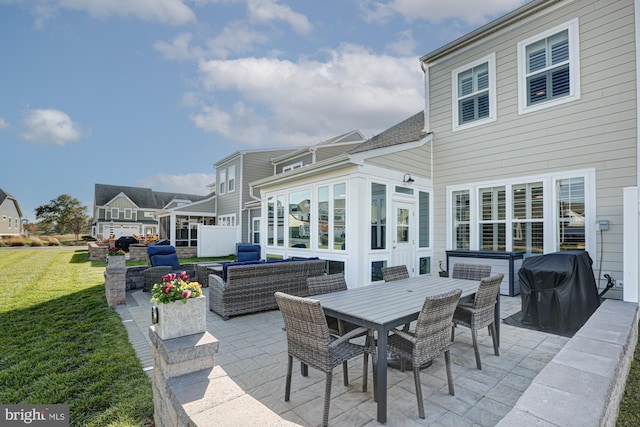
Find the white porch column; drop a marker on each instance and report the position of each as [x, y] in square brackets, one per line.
[631, 244]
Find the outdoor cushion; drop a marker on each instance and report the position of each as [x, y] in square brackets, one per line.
[160, 250]
[248, 252]
[170, 259]
[231, 264]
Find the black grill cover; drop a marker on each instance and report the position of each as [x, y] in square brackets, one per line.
[558, 291]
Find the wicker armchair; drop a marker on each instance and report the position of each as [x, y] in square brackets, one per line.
[430, 339]
[480, 313]
[396, 272]
[163, 260]
[309, 340]
[326, 284]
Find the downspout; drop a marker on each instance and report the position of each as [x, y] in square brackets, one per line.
[427, 112]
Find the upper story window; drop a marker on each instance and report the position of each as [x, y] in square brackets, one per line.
[548, 68]
[115, 213]
[291, 167]
[474, 93]
[128, 213]
[223, 181]
[231, 182]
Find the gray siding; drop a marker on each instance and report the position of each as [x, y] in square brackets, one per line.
[597, 131]
[9, 212]
[414, 161]
[328, 151]
[306, 159]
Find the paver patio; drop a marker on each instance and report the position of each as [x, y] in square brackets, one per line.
[252, 353]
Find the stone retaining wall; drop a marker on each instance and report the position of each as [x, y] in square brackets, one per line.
[138, 251]
[583, 384]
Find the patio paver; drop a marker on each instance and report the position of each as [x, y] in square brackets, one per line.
[252, 354]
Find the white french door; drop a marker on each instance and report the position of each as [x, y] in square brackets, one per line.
[403, 238]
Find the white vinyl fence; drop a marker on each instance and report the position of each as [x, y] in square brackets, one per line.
[216, 240]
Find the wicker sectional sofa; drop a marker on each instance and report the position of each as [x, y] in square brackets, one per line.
[249, 288]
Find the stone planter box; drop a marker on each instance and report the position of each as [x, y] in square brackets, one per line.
[116, 261]
[177, 319]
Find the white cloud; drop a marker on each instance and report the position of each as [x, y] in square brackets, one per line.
[270, 10]
[171, 12]
[47, 126]
[3, 124]
[194, 183]
[306, 101]
[179, 48]
[436, 11]
[236, 38]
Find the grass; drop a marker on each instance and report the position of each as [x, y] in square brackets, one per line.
[61, 343]
[629, 414]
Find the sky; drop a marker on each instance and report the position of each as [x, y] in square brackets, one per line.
[152, 93]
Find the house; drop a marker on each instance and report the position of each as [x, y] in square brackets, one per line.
[237, 204]
[10, 215]
[528, 142]
[125, 211]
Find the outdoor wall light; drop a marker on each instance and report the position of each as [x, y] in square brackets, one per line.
[407, 178]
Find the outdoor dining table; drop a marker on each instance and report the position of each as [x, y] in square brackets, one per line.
[384, 306]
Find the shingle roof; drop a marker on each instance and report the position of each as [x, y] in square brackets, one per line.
[409, 130]
[142, 197]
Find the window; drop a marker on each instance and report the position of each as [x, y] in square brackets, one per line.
[425, 265]
[378, 216]
[528, 217]
[255, 231]
[323, 218]
[271, 225]
[115, 213]
[340, 216]
[291, 167]
[127, 213]
[299, 216]
[571, 214]
[227, 220]
[461, 216]
[9, 223]
[231, 183]
[492, 219]
[474, 93]
[223, 181]
[537, 215]
[548, 68]
[424, 221]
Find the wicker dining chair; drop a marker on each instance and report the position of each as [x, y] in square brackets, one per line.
[396, 272]
[325, 284]
[470, 271]
[430, 339]
[480, 313]
[309, 340]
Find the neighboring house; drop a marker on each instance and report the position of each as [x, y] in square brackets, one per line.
[237, 204]
[125, 211]
[10, 215]
[528, 141]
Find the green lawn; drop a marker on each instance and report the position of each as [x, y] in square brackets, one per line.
[61, 343]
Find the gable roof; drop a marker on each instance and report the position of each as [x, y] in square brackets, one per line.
[408, 130]
[6, 196]
[142, 197]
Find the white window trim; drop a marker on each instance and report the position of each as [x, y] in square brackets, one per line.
[291, 167]
[493, 110]
[227, 220]
[223, 182]
[550, 224]
[128, 213]
[117, 213]
[231, 178]
[574, 68]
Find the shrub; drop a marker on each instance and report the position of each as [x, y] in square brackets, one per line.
[53, 241]
[35, 241]
[16, 241]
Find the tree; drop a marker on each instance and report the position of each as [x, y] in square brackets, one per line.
[64, 214]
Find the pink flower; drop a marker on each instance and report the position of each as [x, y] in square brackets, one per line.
[167, 289]
[184, 276]
[169, 277]
[186, 294]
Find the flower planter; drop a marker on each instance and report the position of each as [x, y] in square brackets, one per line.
[116, 261]
[177, 319]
